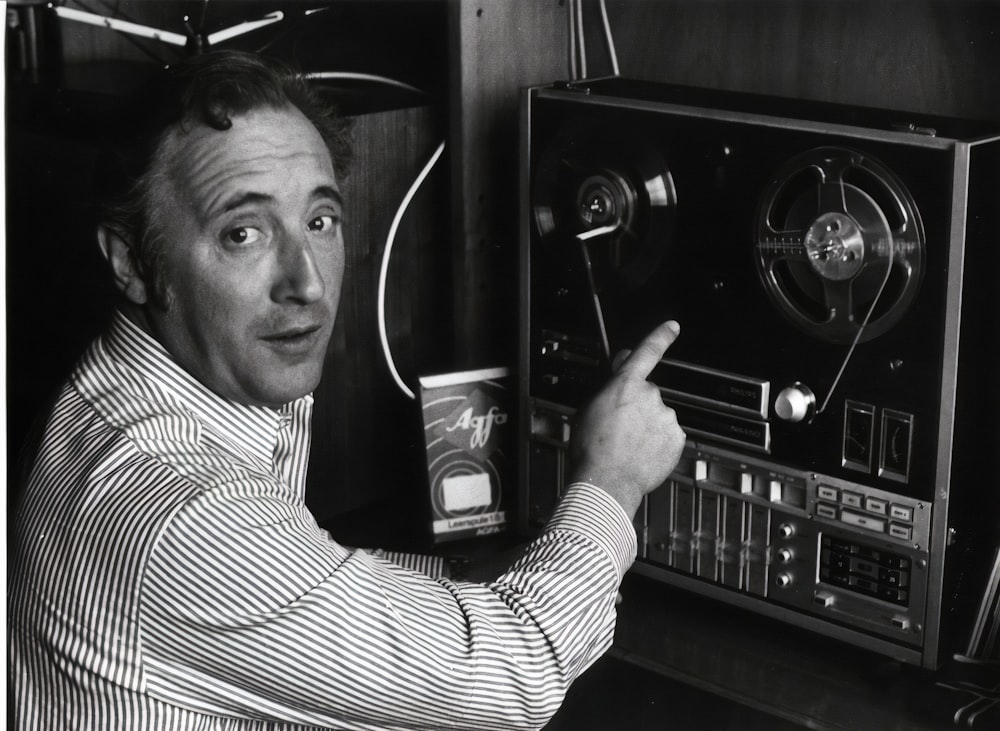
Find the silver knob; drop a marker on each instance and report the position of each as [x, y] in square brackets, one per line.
[795, 403]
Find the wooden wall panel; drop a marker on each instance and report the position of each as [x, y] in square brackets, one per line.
[498, 48]
[925, 56]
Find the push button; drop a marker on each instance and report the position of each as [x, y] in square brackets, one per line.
[903, 532]
[825, 492]
[826, 511]
[901, 512]
[851, 499]
[863, 521]
[874, 505]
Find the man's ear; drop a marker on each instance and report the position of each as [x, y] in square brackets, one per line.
[124, 267]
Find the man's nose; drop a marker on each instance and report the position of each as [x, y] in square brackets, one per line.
[299, 278]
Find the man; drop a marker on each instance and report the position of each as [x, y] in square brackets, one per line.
[166, 573]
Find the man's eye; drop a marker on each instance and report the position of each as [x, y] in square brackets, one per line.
[243, 235]
[323, 223]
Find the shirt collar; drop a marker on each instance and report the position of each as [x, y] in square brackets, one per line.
[253, 428]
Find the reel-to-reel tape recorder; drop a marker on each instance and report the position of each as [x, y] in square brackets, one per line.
[831, 268]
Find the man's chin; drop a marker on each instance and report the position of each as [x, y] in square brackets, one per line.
[286, 384]
[277, 397]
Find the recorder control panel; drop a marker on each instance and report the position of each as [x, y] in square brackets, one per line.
[753, 532]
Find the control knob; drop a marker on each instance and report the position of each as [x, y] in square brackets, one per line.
[795, 403]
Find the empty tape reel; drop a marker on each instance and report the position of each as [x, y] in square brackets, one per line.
[839, 245]
[608, 188]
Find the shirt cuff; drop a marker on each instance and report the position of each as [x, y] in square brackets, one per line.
[590, 511]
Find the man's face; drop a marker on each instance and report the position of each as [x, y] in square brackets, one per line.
[253, 255]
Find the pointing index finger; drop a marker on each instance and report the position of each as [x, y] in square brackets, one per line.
[641, 361]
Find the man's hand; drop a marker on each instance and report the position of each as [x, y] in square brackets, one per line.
[626, 441]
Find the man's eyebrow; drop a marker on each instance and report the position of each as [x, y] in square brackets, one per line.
[327, 191]
[249, 197]
[243, 199]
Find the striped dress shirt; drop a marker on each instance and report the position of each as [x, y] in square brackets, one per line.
[166, 574]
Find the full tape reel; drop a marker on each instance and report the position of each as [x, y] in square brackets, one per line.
[839, 245]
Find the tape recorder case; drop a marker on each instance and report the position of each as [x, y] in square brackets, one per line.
[833, 270]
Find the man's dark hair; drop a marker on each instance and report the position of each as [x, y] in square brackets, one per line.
[208, 89]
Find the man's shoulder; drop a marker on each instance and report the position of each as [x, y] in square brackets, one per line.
[149, 436]
[80, 445]
[128, 399]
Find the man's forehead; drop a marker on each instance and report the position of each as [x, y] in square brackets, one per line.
[256, 134]
[270, 149]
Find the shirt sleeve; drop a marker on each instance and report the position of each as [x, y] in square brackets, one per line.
[250, 610]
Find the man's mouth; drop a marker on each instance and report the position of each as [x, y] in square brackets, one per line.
[296, 338]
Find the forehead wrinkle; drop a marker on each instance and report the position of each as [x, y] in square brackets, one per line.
[203, 170]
